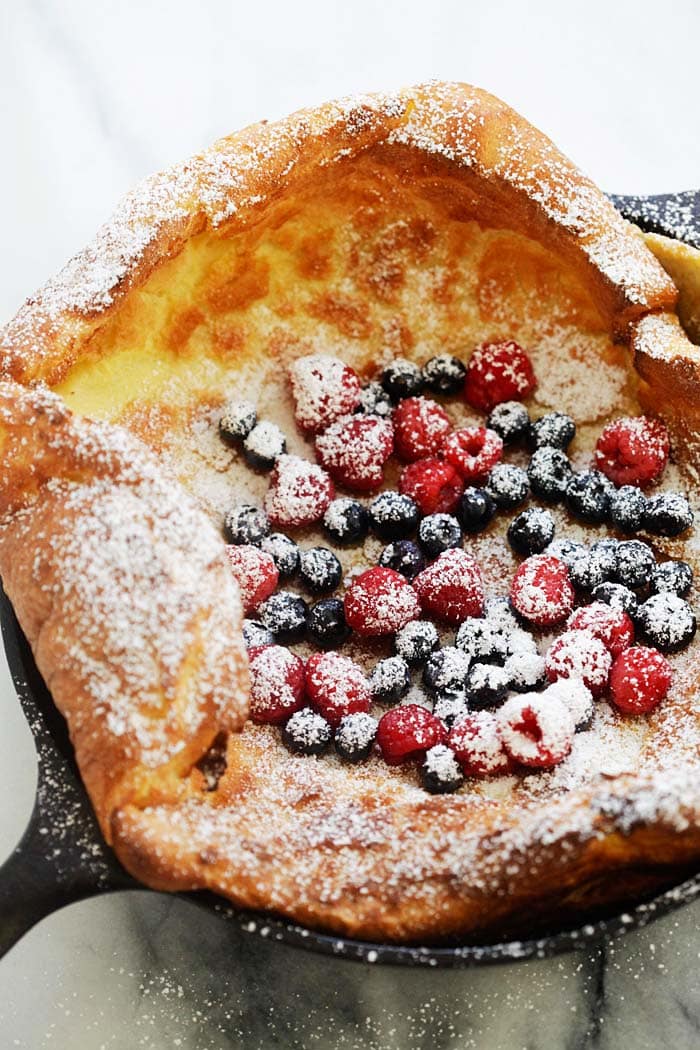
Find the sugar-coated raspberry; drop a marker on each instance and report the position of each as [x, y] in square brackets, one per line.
[336, 686]
[537, 730]
[433, 484]
[473, 452]
[612, 625]
[632, 451]
[354, 450]
[276, 683]
[380, 601]
[476, 741]
[323, 389]
[407, 732]
[255, 573]
[299, 492]
[541, 591]
[639, 680]
[420, 426]
[451, 589]
[498, 372]
[579, 654]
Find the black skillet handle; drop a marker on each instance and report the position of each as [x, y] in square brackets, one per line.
[675, 215]
[62, 857]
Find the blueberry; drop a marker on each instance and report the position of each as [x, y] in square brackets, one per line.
[390, 680]
[438, 533]
[285, 614]
[256, 634]
[307, 733]
[450, 706]
[484, 639]
[617, 596]
[237, 421]
[393, 516]
[667, 622]
[588, 496]
[355, 736]
[416, 641]
[402, 379]
[441, 773]
[499, 612]
[264, 444]
[319, 569]
[444, 374]
[507, 485]
[346, 521]
[283, 551]
[555, 430]
[525, 671]
[590, 569]
[549, 472]
[374, 400]
[403, 556]
[446, 669]
[605, 551]
[510, 420]
[475, 509]
[326, 626]
[673, 576]
[531, 531]
[567, 551]
[668, 514]
[486, 686]
[634, 564]
[628, 507]
[246, 524]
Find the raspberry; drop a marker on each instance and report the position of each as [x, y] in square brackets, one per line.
[434, 485]
[407, 732]
[632, 451]
[420, 425]
[476, 741]
[579, 654]
[336, 686]
[541, 590]
[473, 451]
[354, 450]
[612, 625]
[299, 492]
[498, 372]
[380, 601]
[255, 573]
[537, 730]
[451, 589]
[276, 683]
[323, 389]
[639, 680]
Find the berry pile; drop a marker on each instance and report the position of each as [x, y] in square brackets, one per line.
[490, 701]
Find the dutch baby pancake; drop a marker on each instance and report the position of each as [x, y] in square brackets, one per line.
[347, 493]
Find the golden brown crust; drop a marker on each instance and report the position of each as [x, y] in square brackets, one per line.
[519, 176]
[366, 852]
[135, 629]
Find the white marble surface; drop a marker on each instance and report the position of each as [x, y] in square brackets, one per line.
[96, 95]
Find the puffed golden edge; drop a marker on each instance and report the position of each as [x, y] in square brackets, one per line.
[228, 186]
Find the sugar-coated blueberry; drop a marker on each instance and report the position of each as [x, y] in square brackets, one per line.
[264, 445]
[673, 576]
[390, 680]
[444, 374]
[402, 379]
[588, 496]
[531, 531]
[553, 430]
[507, 485]
[549, 472]
[237, 420]
[285, 614]
[441, 773]
[283, 551]
[416, 641]
[326, 626]
[628, 507]
[403, 556]
[346, 521]
[438, 533]
[393, 515]
[247, 525]
[668, 514]
[475, 509]
[355, 736]
[307, 733]
[319, 569]
[510, 420]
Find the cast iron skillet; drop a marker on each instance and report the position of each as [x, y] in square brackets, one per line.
[62, 857]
